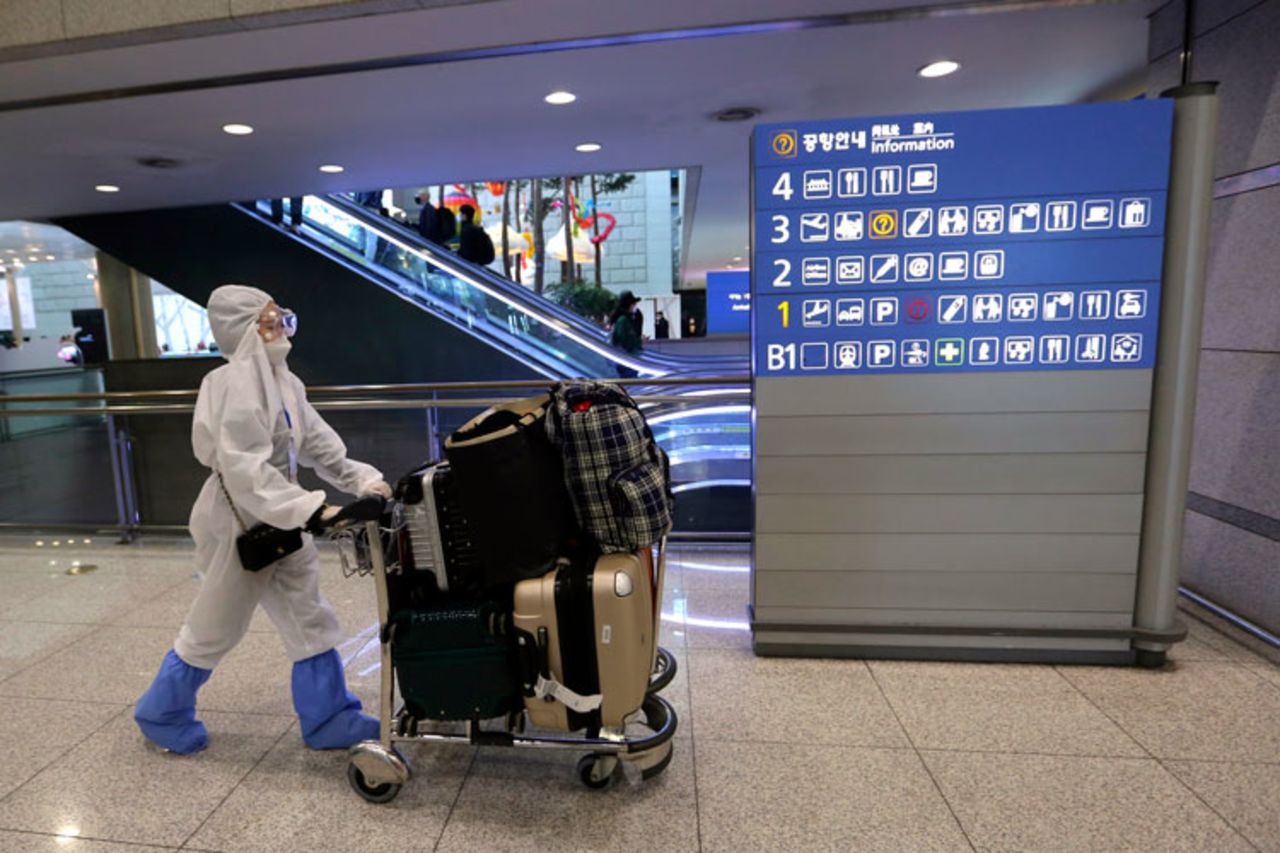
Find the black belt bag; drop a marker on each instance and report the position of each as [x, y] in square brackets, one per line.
[261, 545]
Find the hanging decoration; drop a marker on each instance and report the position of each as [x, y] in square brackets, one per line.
[457, 197]
[517, 243]
[584, 216]
[557, 247]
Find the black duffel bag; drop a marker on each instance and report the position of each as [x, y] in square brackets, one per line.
[510, 482]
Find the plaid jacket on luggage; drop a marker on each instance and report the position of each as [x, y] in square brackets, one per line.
[617, 476]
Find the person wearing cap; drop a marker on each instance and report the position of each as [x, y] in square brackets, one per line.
[625, 332]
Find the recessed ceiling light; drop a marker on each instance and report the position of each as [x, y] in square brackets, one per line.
[588, 147]
[737, 114]
[159, 162]
[107, 188]
[49, 257]
[33, 258]
[560, 98]
[941, 68]
[237, 129]
[737, 257]
[331, 168]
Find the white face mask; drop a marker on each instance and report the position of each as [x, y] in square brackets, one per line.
[278, 350]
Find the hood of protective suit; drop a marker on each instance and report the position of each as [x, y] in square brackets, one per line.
[234, 310]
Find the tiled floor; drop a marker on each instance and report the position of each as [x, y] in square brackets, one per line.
[772, 754]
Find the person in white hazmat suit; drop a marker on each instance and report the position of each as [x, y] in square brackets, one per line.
[254, 426]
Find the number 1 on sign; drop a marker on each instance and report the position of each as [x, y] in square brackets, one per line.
[785, 307]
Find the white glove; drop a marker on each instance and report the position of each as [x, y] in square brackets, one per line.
[380, 488]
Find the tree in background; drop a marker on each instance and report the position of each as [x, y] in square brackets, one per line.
[506, 227]
[613, 182]
[538, 213]
[519, 218]
[544, 195]
[566, 208]
[585, 300]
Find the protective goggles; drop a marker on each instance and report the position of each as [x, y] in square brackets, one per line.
[275, 322]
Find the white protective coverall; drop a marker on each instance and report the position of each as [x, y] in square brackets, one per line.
[241, 430]
[253, 424]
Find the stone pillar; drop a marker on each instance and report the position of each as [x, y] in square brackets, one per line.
[131, 322]
[15, 304]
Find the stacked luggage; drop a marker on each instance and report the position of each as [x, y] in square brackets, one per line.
[524, 583]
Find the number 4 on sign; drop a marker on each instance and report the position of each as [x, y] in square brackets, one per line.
[782, 187]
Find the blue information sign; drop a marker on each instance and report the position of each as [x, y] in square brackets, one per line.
[728, 302]
[1025, 239]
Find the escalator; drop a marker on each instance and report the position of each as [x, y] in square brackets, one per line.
[552, 339]
[397, 309]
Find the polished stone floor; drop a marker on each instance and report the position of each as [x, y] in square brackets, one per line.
[771, 755]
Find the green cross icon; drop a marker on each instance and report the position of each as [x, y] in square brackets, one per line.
[948, 352]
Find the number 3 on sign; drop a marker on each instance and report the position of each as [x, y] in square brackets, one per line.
[781, 229]
[785, 308]
[782, 187]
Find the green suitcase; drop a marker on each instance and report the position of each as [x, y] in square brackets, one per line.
[455, 661]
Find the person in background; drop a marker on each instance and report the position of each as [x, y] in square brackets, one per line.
[448, 226]
[691, 328]
[661, 326]
[371, 199]
[430, 224]
[474, 244]
[252, 428]
[69, 351]
[625, 330]
[295, 212]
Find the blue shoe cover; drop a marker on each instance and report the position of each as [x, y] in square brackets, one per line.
[166, 713]
[329, 714]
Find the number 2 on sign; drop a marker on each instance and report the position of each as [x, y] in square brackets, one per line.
[782, 279]
[785, 307]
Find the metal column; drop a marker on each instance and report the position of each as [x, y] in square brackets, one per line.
[1186, 253]
[121, 443]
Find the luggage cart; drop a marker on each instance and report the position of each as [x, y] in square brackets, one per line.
[377, 769]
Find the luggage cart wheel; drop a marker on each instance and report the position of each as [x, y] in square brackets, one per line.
[664, 671]
[383, 793]
[596, 770]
